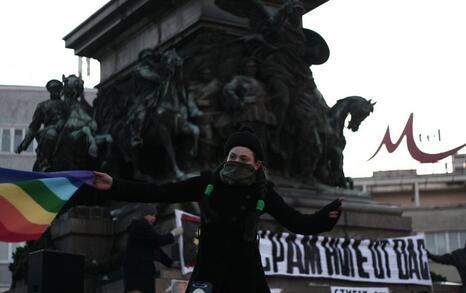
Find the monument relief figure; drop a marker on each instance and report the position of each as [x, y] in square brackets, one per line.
[50, 115]
[159, 113]
[175, 110]
[205, 90]
[244, 100]
[206, 93]
[131, 116]
[147, 82]
[305, 130]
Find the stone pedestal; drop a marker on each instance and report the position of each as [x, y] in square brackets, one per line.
[88, 231]
[84, 230]
[362, 217]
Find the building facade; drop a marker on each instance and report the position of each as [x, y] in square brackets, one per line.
[436, 203]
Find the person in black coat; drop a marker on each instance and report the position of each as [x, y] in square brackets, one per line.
[232, 199]
[456, 258]
[143, 246]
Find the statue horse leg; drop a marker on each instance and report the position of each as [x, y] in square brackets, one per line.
[192, 130]
[105, 141]
[168, 145]
[279, 103]
[336, 167]
[90, 140]
[307, 151]
[323, 169]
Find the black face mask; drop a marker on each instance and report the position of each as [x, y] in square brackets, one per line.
[235, 173]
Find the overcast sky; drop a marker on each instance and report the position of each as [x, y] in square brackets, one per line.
[409, 56]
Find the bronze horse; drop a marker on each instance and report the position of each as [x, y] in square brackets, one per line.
[78, 144]
[166, 118]
[330, 169]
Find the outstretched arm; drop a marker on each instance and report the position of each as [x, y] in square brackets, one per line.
[124, 190]
[321, 221]
[446, 259]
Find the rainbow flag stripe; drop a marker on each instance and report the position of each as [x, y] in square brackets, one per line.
[29, 201]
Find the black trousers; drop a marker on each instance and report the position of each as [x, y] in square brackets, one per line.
[141, 280]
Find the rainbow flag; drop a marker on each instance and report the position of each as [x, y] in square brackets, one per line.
[29, 201]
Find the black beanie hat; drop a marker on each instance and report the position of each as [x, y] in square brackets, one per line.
[147, 209]
[245, 137]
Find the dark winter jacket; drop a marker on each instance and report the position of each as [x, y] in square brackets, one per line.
[224, 258]
[458, 259]
[142, 248]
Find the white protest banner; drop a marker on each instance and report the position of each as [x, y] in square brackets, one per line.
[358, 290]
[393, 260]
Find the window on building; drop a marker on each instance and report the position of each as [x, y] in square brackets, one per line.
[7, 250]
[6, 140]
[430, 242]
[441, 242]
[4, 252]
[10, 138]
[19, 135]
[454, 241]
[13, 247]
[445, 242]
[463, 238]
[5, 277]
[32, 146]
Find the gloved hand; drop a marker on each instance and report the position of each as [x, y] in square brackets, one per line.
[332, 210]
[177, 231]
